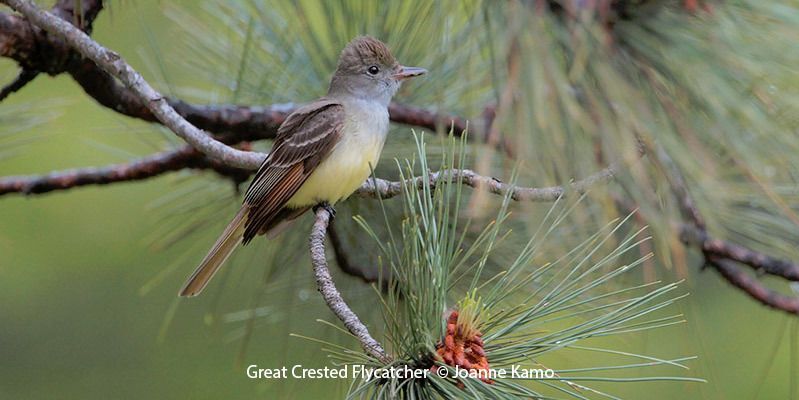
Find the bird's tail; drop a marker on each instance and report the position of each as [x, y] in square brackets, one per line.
[222, 249]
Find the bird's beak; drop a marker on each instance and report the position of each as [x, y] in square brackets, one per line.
[408, 72]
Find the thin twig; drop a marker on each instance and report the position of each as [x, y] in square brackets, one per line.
[722, 255]
[326, 286]
[115, 65]
[753, 287]
[372, 188]
[718, 248]
[25, 76]
[387, 189]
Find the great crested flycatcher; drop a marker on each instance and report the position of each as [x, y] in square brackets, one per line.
[322, 152]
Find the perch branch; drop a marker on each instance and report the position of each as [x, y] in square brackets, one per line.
[326, 286]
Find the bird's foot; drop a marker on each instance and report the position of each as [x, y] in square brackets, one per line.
[330, 210]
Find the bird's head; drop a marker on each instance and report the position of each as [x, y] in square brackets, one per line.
[367, 70]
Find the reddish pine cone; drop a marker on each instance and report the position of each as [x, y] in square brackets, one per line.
[466, 352]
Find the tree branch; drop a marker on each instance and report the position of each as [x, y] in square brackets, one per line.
[173, 160]
[375, 187]
[721, 249]
[33, 49]
[188, 158]
[113, 64]
[753, 287]
[326, 286]
[25, 76]
[720, 254]
[138, 99]
[235, 122]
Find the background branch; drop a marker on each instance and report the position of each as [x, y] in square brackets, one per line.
[367, 274]
[157, 164]
[753, 287]
[722, 249]
[115, 65]
[25, 76]
[720, 254]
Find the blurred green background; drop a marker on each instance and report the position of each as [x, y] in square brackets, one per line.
[88, 289]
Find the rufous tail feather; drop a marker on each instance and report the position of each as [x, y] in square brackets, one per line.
[217, 256]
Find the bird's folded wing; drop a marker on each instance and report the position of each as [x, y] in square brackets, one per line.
[302, 142]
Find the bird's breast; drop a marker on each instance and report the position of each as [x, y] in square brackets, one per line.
[348, 164]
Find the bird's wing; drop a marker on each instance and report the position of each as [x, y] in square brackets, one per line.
[302, 142]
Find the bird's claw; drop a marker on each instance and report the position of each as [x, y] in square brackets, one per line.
[330, 210]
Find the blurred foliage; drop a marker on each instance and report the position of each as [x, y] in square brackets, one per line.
[717, 90]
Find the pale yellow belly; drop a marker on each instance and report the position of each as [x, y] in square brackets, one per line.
[341, 173]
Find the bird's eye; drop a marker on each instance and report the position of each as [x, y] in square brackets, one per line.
[373, 70]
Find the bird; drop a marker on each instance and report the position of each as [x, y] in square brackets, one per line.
[322, 152]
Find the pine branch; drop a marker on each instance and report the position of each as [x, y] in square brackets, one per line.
[387, 189]
[157, 164]
[25, 77]
[115, 65]
[722, 249]
[235, 122]
[720, 254]
[753, 287]
[326, 286]
[33, 49]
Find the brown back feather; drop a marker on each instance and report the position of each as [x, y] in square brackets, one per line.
[303, 141]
